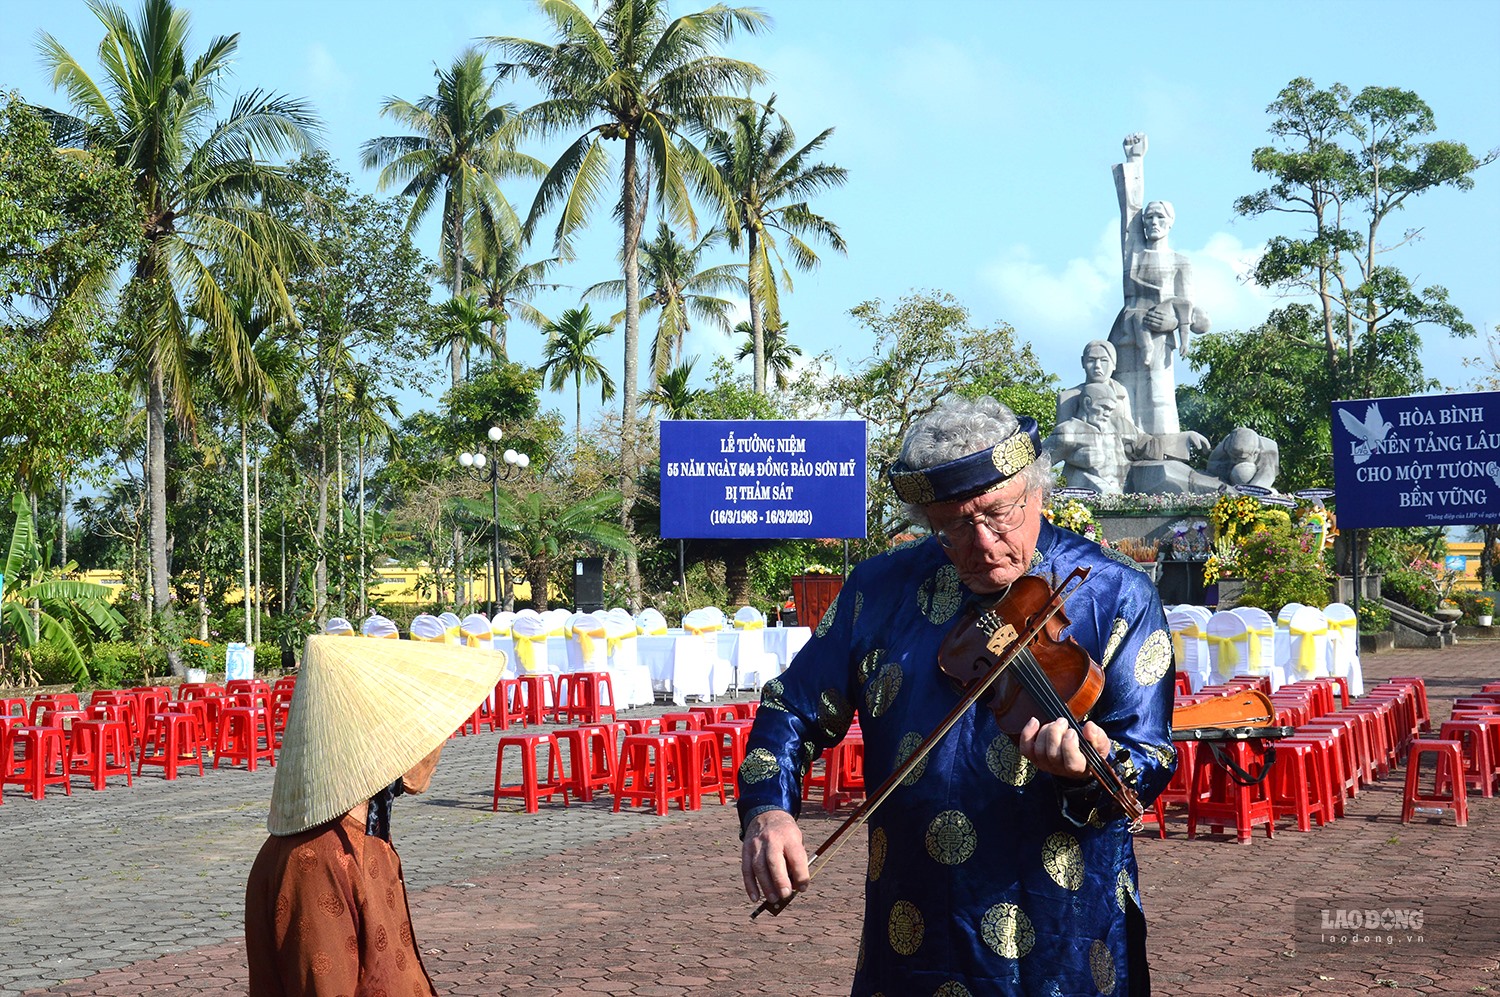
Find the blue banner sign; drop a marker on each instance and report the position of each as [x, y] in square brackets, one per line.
[1420, 460]
[764, 479]
[1456, 562]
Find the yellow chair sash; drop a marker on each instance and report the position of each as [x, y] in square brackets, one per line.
[749, 624]
[430, 640]
[1307, 654]
[525, 652]
[478, 640]
[586, 642]
[660, 631]
[1224, 652]
[700, 631]
[450, 636]
[1179, 641]
[384, 636]
[1256, 636]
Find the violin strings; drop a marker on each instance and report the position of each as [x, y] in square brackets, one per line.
[1041, 690]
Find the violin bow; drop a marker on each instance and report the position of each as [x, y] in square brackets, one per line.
[824, 853]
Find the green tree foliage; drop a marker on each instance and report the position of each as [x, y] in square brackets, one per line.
[569, 354]
[677, 289]
[780, 353]
[651, 82]
[1275, 380]
[40, 606]
[772, 179]
[207, 194]
[543, 529]
[1346, 164]
[461, 145]
[924, 348]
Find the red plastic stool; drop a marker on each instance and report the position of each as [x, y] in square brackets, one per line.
[649, 772]
[101, 748]
[509, 707]
[701, 768]
[531, 789]
[171, 739]
[604, 751]
[1387, 732]
[1300, 784]
[640, 725]
[1347, 732]
[241, 729]
[590, 696]
[1219, 800]
[1448, 766]
[591, 759]
[1334, 752]
[15, 707]
[733, 738]
[1417, 683]
[681, 721]
[482, 714]
[43, 761]
[746, 710]
[1474, 737]
[716, 713]
[536, 691]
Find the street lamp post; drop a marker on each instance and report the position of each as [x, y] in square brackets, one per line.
[488, 469]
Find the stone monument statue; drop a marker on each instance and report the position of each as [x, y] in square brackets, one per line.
[1159, 313]
[1118, 430]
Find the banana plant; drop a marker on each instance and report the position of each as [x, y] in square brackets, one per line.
[39, 606]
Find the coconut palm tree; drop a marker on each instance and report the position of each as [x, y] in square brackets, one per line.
[373, 414]
[463, 145]
[672, 398]
[771, 183]
[648, 81]
[500, 280]
[781, 355]
[674, 285]
[41, 606]
[467, 321]
[540, 529]
[569, 353]
[207, 197]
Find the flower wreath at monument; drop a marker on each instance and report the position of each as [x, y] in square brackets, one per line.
[1074, 515]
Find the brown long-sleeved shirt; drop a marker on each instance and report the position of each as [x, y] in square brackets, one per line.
[326, 913]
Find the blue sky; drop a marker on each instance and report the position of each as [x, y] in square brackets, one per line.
[978, 137]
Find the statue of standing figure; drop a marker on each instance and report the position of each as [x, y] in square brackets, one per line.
[1159, 314]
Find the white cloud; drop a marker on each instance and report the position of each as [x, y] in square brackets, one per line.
[327, 80]
[1059, 308]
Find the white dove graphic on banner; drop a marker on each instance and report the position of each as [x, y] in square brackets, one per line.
[1369, 435]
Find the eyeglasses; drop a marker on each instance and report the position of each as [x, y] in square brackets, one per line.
[996, 522]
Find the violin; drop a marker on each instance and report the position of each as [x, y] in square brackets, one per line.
[1015, 648]
[1009, 655]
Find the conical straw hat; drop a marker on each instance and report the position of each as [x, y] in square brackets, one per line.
[365, 712]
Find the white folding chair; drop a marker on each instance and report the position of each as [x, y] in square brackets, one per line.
[500, 623]
[632, 678]
[425, 626]
[1308, 633]
[338, 626]
[650, 621]
[753, 664]
[379, 626]
[1189, 647]
[475, 631]
[452, 628]
[1262, 644]
[1228, 647]
[1343, 647]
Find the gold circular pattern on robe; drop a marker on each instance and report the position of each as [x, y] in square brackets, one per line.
[1007, 763]
[870, 664]
[1117, 632]
[759, 765]
[904, 749]
[952, 988]
[826, 623]
[938, 596]
[1102, 964]
[877, 854]
[834, 714]
[1124, 889]
[771, 695]
[1007, 931]
[905, 927]
[1164, 755]
[1063, 860]
[881, 692]
[951, 838]
[1154, 659]
[1036, 560]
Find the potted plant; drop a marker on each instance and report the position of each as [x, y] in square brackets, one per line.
[197, 658]
[1448, 611]
[1484, 610]
[814, 591]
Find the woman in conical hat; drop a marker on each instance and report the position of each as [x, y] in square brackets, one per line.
[325, 906]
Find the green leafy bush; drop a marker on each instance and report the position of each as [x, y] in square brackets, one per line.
[117, 665]
[1279, 566]
[1411, 588]
[1373, 617]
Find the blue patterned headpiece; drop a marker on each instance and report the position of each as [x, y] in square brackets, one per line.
[971, 475]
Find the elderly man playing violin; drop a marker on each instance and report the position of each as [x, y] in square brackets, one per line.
[1001, 863]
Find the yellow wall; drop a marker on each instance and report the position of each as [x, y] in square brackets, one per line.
[396, 584]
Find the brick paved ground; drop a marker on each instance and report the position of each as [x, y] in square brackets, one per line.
[139, 891]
